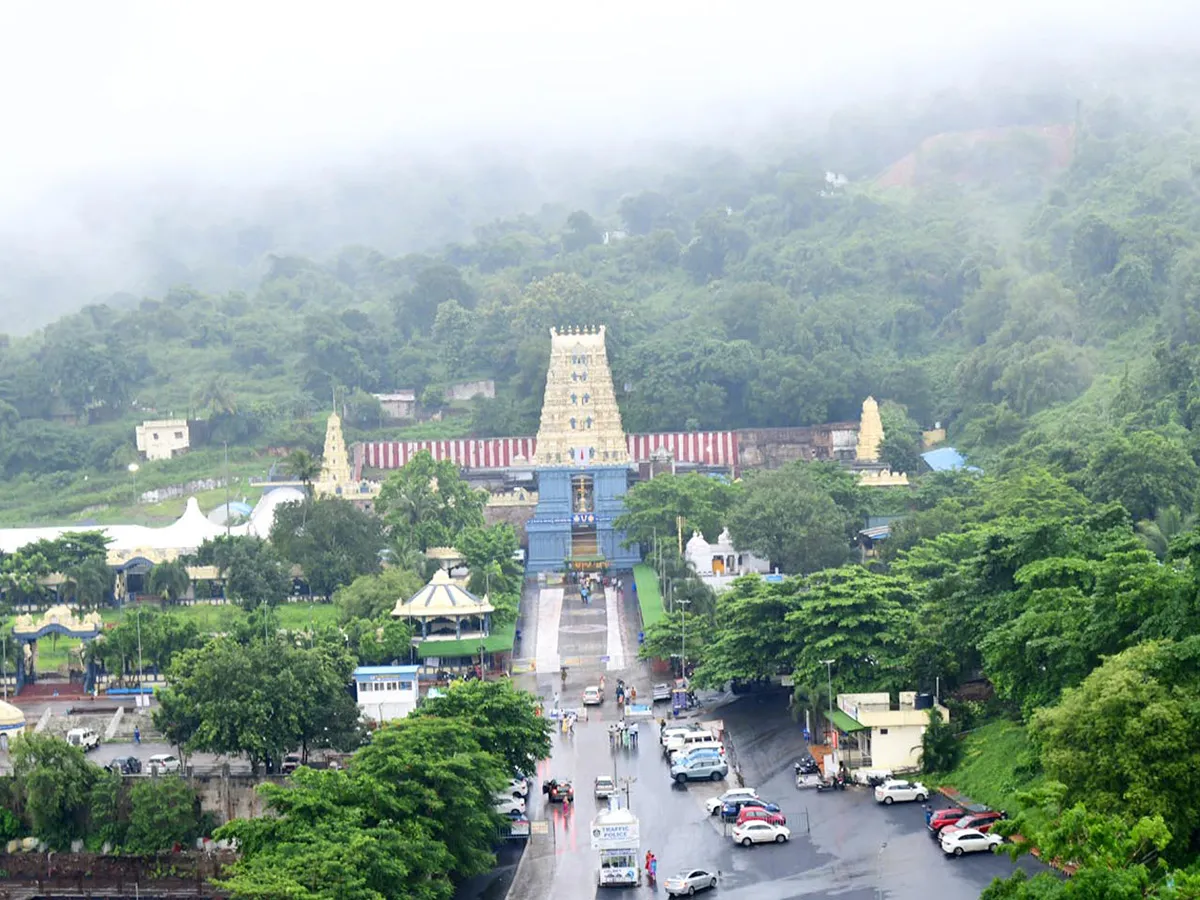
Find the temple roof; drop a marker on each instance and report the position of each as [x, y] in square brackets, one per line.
[10, 715]
[442, 598]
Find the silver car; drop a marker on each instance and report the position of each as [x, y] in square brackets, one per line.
[690, 882]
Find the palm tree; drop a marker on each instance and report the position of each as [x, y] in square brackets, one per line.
[1156, 534]
[302, 466]
[170, 580]
[93, 581]
[216, 397]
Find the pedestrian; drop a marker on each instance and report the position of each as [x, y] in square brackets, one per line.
[633, 695]
[633, 734]
[928, 813]
[137, 735]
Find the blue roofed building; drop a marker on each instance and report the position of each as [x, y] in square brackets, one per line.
[947, 459]
[385, 693]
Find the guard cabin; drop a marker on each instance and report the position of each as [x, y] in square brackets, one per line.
[616, 840]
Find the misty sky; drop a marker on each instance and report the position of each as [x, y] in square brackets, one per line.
[132, 87]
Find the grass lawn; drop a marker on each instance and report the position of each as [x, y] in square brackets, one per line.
[649, 594]
[499, 641]
[998, 762]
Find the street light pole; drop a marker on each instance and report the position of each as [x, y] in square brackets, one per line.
[683, 605]
[139, 635]
[829, 675]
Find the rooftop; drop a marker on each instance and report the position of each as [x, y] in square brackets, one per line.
[366, 671]
[442, 598]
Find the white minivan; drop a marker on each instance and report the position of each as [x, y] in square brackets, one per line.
[692, 739]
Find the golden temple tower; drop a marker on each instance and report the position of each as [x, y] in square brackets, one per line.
[335, 462]
[870, 432]
[581, 424]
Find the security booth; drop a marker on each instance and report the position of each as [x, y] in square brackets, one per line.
[616, 840]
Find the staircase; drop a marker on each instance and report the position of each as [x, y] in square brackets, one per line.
[50, 690]
[583, 543]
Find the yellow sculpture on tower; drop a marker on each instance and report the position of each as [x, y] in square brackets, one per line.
[870, 432]
[581, 424]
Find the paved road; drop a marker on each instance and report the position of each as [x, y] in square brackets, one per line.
[843, 845]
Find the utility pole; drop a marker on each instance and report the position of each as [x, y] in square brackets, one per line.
[228, 511]
[684, 604]
[829, 675]
[139, 636]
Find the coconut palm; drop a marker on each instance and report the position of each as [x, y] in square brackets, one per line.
[303, 466]
[170, 580]
[1156, 534]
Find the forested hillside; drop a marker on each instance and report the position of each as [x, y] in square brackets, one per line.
[1041, 252]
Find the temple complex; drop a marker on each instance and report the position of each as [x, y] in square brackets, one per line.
[581, 461]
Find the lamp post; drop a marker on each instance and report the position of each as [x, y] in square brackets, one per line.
[139, 637]
[683, 604]
[829, 676]
[482, 650]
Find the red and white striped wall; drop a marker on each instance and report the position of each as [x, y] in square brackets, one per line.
[710, 448]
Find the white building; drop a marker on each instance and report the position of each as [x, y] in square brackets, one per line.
[163, 438]
[385, 693]
[874, 733]
[719, 563]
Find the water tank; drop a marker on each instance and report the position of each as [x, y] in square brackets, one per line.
[923, 701]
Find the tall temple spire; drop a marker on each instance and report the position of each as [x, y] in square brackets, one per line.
[335, 463]
[581, 424]
[870, 432]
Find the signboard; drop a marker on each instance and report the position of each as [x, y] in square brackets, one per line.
[621, 836]
[541, 826]
[520, 828]
[583, 519]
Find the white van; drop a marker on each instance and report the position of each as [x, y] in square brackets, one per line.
[673, 731]
[692, 739]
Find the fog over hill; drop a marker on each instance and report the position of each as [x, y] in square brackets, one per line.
[153, 146]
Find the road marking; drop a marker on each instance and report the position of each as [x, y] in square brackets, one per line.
[616, 641]
[549, 612]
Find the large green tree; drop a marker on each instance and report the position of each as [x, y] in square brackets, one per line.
[799, 517]
[654, 509]
[748, 637]
[253, 572]
[428, 504]
[52, 781]
[331, 539]
[373, 597]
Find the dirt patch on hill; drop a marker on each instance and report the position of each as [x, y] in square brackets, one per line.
[970, 155]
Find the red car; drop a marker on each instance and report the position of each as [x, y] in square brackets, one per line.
[982, 821]
[758, 814]
[943, 817]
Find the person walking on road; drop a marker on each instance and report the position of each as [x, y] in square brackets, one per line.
[137, 735]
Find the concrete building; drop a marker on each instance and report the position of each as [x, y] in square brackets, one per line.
[162, 438]
[582, 461]
[720, 562]
[874, 732]
[385, 693]
[398, 405]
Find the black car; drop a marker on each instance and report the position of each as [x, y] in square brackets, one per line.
[125, 765]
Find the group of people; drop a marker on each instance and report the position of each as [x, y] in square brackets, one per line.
[651, 866]
[623, 734]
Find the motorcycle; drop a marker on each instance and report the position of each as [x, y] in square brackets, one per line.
[835, 784]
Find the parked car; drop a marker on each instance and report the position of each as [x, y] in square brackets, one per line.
[163, 764]
[671, 731]
[660, 692]
[713, 768]
[943, 817]
[592, 696]
[731, 809]
[714, 804]
[698, 751]
[84, 738]
[900, 791]
[980, 821]
[519, 787]
[125, 765]
[751, 813]
[291, 763]
[509, 806]
[757, 832]
[556, 791]
[968, 840]
[605, 787]
[690, 882]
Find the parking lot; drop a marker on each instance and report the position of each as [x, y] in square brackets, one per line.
[843, 843]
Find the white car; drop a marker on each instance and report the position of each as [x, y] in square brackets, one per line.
[592, 696]
[757, 831]
[714, 804]
[689, 882]
[84, 738]
[163, 764]
[604, 787]
[900, 791]
[509, 806]
[969, 840]
[519, 787]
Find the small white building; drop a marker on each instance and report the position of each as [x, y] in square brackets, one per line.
[385, 693]
[721, 562]
[162, 438]
[875, 733]
[398, 405]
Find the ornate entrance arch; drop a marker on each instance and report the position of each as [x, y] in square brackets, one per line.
[55, 620]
